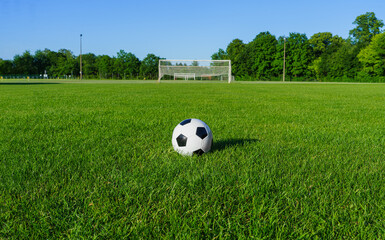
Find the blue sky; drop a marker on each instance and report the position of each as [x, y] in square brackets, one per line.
[183, 29]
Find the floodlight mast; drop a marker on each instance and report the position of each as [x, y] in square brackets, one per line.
[81, 72]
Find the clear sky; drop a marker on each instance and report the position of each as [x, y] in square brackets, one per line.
[183, 29]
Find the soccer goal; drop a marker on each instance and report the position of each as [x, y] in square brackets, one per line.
[219, 70]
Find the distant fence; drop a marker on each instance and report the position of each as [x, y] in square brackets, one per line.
[35, 76]
[100, 76]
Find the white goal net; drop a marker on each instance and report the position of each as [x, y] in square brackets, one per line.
[185, 76]
[195, 70]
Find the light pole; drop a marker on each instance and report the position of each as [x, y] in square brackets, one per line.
[284, 57]
[81, 72]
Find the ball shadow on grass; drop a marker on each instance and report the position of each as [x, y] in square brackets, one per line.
[223, 144]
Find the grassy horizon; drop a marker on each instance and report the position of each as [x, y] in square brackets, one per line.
[96, 161]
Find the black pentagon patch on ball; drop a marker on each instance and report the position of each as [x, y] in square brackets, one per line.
[201, 132]
[184, 122]
[181, 140]
[198, 152]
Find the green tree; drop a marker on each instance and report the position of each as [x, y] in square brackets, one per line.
[343, 62]
[367, 27]
[324, 42]
[6, 67]
[53, 67]
[149, 66]
[220, 55]
[323, 46]
[90, 69]
[118, 67]
[261, 54]
[23, 64]
[42, 61]
[59, 63]
[372, 57]
[65, 63]
[104, 66]
[298, 55]
[237, 53]
[127, 64]
[277, 64]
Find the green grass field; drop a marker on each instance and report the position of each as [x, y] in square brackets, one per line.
[95, 160]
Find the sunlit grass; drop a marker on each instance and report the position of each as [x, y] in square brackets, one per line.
[96, 161]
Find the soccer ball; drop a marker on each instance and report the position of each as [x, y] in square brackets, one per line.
[192, 136]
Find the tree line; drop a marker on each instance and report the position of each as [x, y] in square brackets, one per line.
[322, 57]
[64, 64]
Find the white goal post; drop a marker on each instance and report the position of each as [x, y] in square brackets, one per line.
[171, 69]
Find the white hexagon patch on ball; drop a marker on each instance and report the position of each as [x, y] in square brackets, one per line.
[192, 136]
